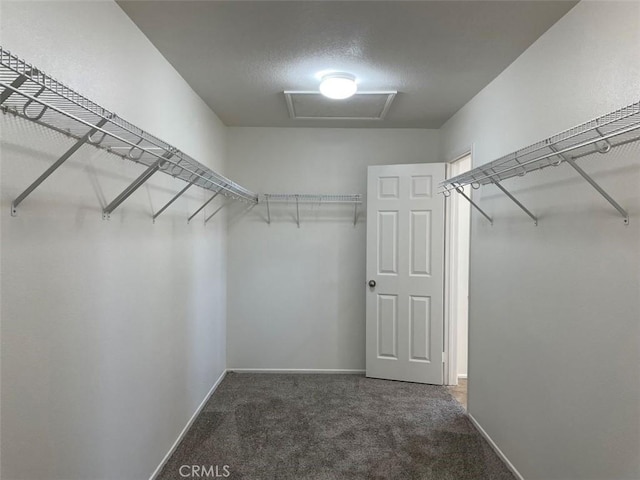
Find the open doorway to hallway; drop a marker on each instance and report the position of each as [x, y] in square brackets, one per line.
[458, 219]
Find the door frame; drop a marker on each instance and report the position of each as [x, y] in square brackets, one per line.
[450, 326]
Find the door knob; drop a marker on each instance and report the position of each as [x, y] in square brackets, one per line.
[372, 283]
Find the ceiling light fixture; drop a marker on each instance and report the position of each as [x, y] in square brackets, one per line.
[338, 86]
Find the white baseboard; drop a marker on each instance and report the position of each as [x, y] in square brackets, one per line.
[462, 376]
[187, 426]
[295, 370]
[495, 447]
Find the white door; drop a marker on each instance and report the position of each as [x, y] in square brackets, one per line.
[405, 273]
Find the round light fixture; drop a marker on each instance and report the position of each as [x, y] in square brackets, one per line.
[338, 86]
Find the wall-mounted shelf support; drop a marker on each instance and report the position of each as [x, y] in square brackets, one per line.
[84, 139]
[600, 190]
[266, 198]
[137, 183]
[592, 182]
[475, 205]
[7, 92]
[175, 197]
[298, 210]
[216, 211]
[517, 202]
[355, 214]
[203, 205]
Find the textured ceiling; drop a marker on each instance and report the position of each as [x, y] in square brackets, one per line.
[239, 56]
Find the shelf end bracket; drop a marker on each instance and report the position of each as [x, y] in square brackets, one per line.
[84, 139]
[599, 189]
[594, 184]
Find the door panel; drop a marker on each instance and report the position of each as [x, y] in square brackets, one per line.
[420, 321]
[405, 259]
[388, 243]
[388, 326]
[420, 237]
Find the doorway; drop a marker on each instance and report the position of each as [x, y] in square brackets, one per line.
[458, 220]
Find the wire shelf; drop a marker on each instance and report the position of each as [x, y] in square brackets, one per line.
[312, 198]
[597, 136]
[31, 94]
[306, 198]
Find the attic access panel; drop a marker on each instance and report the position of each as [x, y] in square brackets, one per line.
[311, 105]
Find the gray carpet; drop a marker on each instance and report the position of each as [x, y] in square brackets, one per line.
[333, 427]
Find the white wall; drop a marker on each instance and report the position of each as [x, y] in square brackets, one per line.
[112, 331]
[555, 310]
[296, 296]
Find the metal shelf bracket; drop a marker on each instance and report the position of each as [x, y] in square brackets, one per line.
[297, 211]
[461, 192]
[7, 92]
[176, 196]
[214, 213]
[600, 190]
[266, 198]
[593, 183]
[84, 139]
[515, 200]
[137, 183]
[203, 205]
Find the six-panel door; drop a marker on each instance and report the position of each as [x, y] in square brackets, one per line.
[405, 259]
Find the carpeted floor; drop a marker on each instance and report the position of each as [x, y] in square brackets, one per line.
[332, 427]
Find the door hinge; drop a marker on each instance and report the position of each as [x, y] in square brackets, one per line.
[444, 357]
